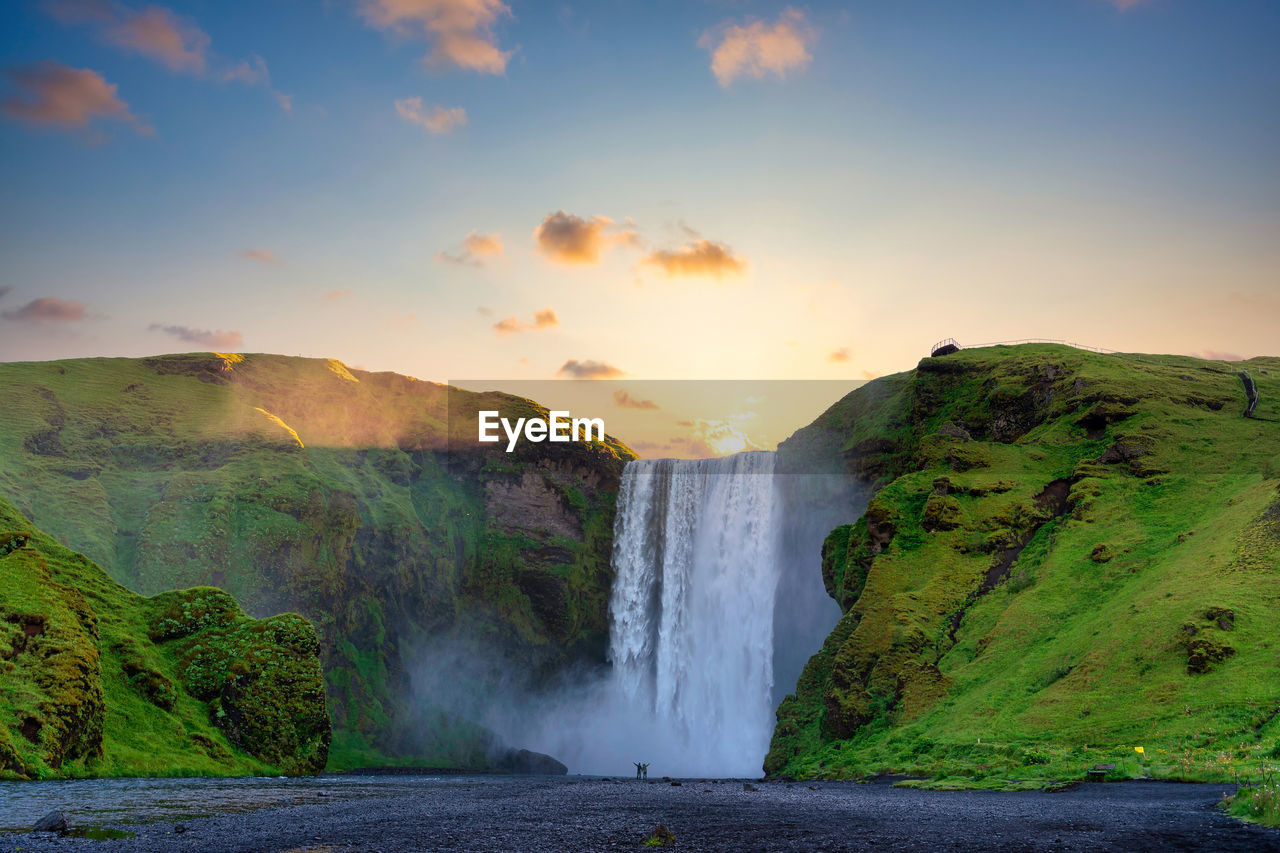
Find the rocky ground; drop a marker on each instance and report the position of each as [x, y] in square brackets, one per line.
[544, 814]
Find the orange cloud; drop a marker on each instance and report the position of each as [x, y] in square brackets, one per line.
[840, 355]
[156, 33]
[544, 319]
[53, 94]
[588, 369]
[215, 340]
[699, 258]
[626, 401]
[335, 295]
[569, 239]
[435, 119]
[460, 32]
[263, 255]
[474, 249]
[483, 244]
[47, 309]
[760, 49]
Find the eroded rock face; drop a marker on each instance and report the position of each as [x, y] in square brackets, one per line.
[529, 504]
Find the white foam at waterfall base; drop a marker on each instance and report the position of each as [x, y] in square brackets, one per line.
[692, 612]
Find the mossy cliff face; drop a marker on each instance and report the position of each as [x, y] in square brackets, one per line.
[1067, 554]
[95, 679]
[361, 500]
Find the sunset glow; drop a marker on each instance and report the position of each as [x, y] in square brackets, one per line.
[672, 190]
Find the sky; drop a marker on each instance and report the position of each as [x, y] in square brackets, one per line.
[636, 188]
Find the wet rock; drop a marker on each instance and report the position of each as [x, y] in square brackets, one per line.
[527, 762]
[54, 821]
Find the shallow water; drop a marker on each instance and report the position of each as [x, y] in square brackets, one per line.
[98, 802]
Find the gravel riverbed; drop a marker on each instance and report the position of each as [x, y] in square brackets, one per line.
[409, 813]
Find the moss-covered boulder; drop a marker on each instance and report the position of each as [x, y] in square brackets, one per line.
[261, 678]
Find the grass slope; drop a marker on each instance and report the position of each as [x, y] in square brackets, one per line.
[358, 499]
[97, 680]
[1069, 555]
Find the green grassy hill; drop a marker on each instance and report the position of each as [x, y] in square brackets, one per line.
[97, 680]
[1069, 555]
[359, 499]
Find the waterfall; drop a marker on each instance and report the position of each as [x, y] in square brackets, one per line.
[691, 641]
[717, 601]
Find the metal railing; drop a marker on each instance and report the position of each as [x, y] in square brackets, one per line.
[1045, 341]
[950, 345]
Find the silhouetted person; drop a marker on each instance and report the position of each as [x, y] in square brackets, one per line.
[644, 771]
[639, 768]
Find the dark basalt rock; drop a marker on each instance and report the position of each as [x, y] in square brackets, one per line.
[54, 821]
[1203, 653]
[527, 762]
[952, 431]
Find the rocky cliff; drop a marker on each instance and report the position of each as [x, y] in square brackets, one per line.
[359, 499]
[1067, 555]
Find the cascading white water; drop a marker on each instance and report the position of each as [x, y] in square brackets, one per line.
[696, 571]
[717, 594]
